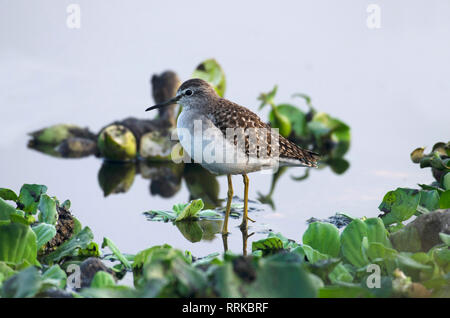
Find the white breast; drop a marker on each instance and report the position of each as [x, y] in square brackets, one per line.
[206, 144]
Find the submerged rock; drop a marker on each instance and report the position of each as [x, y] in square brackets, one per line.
[117, 143]
[77, 147]
[423, 233]
[156, 146]
[89, 267]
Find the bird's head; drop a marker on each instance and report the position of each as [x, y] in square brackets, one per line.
[192, 93]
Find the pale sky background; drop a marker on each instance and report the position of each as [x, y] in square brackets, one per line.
[391, 85]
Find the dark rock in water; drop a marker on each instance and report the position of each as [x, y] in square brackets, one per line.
[89, 267]
[244, 268]
[164, 87]
[423, 233]
[338, 220]
[77, 147]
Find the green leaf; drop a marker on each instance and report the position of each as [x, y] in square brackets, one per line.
[212, 258]
[341, 138]
[405, 261]
[17, 244]
[191, 230]
[47, 207]
[116, 252]
[209, 214]
[376, 250]
[29, 197]
[277, 278]
[191, 210]
[102, 279]
[376, 232]
[179, 207]
[399, 205]
[78, 241]
[91, 250]
[6, 210]
[429, 199]
[159, 251]
[446, 181]
[55, 134]
[281, 122]
[44, 233]
[26, 283]
[351, 243]
[444, 201]
[267, 98]
[313, 255]
[307, 98]
[5, 272]
[159, 215]
[7, 194]
[226, 283]
[445, 238]
[294, 115]
[213, 73]
[268, 245]
[323, 237]
[338, 165]
[340, 274]
[66, 205]
[55, 275]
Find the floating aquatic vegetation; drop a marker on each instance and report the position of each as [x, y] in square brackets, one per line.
[182, 212]
[327, 263]
[55, 134]
[439, 162]
[314, 130]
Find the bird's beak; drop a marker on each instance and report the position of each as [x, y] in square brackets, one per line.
[166, 103]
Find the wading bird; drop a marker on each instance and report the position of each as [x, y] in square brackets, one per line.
[248, 144]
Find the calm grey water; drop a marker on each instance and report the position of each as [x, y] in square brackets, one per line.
[391, 85]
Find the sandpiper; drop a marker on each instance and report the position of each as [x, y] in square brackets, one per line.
[208, 119]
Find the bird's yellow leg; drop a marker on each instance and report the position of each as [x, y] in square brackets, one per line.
[245, 237]
[245, 216]
[227, 212]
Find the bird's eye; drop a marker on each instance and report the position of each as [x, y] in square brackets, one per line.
[188, 92]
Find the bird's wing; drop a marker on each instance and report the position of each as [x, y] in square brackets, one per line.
[231, 115]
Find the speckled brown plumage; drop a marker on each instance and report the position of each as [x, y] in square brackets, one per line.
[227, 114]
